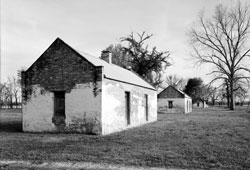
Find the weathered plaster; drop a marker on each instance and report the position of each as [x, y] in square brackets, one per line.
[113, 106]
[38, 111]
[93, 104]
[202, 105]
[83, 109]
[179, 105]
[188, 105]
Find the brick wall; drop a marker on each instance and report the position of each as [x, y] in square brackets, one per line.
[59, 68]
[170, 92]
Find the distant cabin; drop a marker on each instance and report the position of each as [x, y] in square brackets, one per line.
[200, 104]
[172, 100]
[66, 90]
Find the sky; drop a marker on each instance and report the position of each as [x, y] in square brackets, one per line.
[28, 27]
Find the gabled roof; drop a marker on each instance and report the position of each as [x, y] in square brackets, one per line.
[116, 72]
[184, 95]
[112, 71]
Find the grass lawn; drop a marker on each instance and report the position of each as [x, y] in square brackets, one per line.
[11, 120]
[205, 139]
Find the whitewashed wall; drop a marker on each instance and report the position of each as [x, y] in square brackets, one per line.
[38, 111]
[179, 105]
[113, 106]
[202, 105]
[82, 110]
[188, 105]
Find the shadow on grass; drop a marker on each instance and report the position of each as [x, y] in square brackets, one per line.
[10, 120]
[11, 127]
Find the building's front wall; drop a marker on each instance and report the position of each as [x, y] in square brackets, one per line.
[200, 104]
[83, 110]
[178, 105]
[38, 111]
[114, 110]
[60, 69]
[180, 102]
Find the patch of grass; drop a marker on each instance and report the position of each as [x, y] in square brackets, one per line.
[11, 120]
[18, 110]
[213, 138]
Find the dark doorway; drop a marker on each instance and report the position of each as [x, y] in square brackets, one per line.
[146, 106]
[59, 103]
[170, 104]
[127, 106]
[59, 109]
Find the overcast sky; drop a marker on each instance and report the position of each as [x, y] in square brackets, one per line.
[28, 27]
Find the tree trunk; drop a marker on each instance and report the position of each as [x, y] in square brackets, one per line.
[16, 101]
[232, 103]
[228, 96]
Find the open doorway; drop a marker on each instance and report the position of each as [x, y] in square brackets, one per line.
[59, 109]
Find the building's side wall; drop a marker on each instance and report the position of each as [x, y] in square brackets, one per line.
[60, 68]
[188, 105]
[114, 110]
[178, 105]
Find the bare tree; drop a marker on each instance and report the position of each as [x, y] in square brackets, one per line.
[176, 81]
[13, 90]
[214, 95]
[221, 41]
[1, 95]
[241, 91]
[6, 96]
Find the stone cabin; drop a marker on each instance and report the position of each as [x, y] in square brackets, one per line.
[66, 90]
[172, 100]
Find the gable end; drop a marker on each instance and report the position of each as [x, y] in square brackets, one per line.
[171, 92]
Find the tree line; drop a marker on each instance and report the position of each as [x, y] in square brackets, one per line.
[220, 40]
[10, 92]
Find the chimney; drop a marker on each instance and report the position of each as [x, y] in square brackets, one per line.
[106, 56]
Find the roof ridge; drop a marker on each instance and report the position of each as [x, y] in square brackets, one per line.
[115, 65]
[120, 74]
